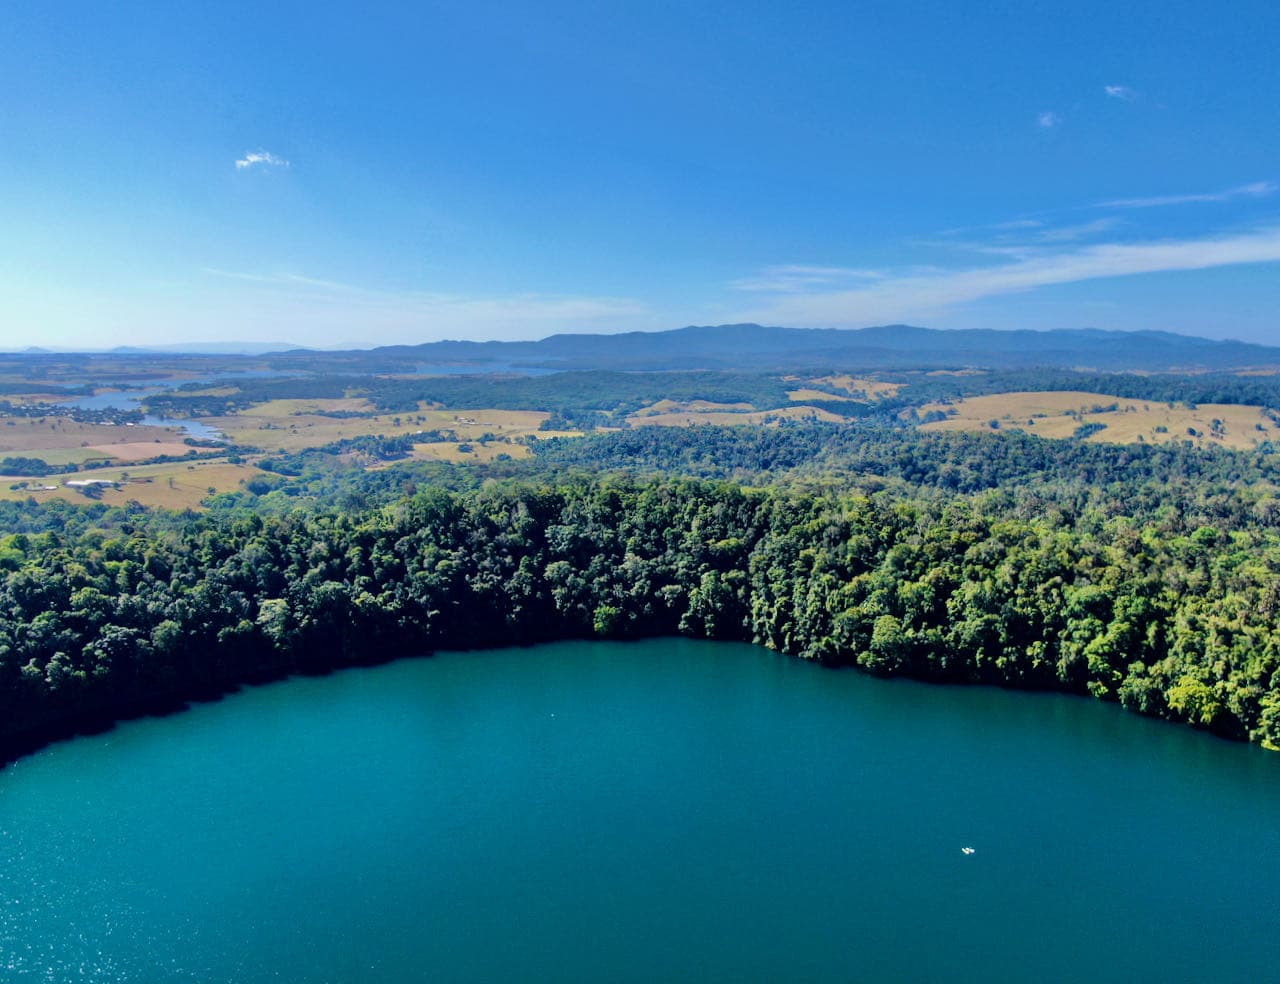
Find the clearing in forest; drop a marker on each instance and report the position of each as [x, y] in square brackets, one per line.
[173, 485]
[1108, 419]
[690, 418]
[857, 388]
[276, 427]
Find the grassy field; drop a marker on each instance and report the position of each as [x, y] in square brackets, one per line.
[692, 418]
[60, 441]
[801, 395]
[275, 426]
[690, 406]
[290, 408]
[175, 485]
[452, 451]
[858, 388]
[22, 399]
[1060, 414]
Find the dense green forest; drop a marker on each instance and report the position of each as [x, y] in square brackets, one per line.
[594, 398]
[1165, 600]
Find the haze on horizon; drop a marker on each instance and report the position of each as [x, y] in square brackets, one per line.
[344, 176]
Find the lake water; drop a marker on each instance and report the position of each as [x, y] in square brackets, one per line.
[660, 811]
[132, 399]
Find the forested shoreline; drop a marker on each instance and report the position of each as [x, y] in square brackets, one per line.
[1166, 606]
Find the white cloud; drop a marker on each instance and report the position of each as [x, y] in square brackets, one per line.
[334, 309]
[914, 294]
[279, 279]
[1074, 233]
[1120, 92]
[1259, 189]
[262, 158]
[798, 277]
[1048, 120]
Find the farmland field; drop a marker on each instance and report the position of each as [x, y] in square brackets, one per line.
[1061, 414]
[276, 426]
[173, 485]
[28, 435]
[691, 418]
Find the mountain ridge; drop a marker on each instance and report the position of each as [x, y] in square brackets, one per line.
[753, 346]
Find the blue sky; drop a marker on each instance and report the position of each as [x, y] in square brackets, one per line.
[357, 175]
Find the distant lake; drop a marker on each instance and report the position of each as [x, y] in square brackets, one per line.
[135, 393]
[668, 810]
[132, 399]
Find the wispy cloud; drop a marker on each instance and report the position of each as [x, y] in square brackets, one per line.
[1259, 189]
[913, 294]
[1073, 233]
[1020, 238]
[279, 279]
[421, 315]
[798, 277]
[260, 158]
[1122, 92]
[1048, 120]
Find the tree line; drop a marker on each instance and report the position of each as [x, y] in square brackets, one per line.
[1157, 608]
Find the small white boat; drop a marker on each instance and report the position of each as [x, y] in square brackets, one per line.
[967, 850]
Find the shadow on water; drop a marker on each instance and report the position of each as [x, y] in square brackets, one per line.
[1037, 708]
[99, 722]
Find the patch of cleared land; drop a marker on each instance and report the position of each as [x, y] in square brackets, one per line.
[39, 437]
[1060, 414]
[802, 395]
[726, 418]
[856, 387]
[294, 408]
[453, 451]
[174, 485]
[690, 406]
[266, 427]
[140, 450]
[23, 399]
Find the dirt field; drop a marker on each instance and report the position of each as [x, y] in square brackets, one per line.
[1060, 414]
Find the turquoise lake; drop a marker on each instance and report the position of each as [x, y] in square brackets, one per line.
[668, 810]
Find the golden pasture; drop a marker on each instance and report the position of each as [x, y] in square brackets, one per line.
[275, 427]
[452, 451]
[729, 418]
[858, 388]
[61, 441]
[690, 406]
[1059, 414]
[175, 485]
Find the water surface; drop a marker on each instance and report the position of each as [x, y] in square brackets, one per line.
[666, 810]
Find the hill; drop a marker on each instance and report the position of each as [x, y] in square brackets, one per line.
[751, 346]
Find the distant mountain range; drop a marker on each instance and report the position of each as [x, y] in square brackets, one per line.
[751, 346]
[208, 348]
[760, 348]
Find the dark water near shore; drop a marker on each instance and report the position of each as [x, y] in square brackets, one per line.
[668, 810]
